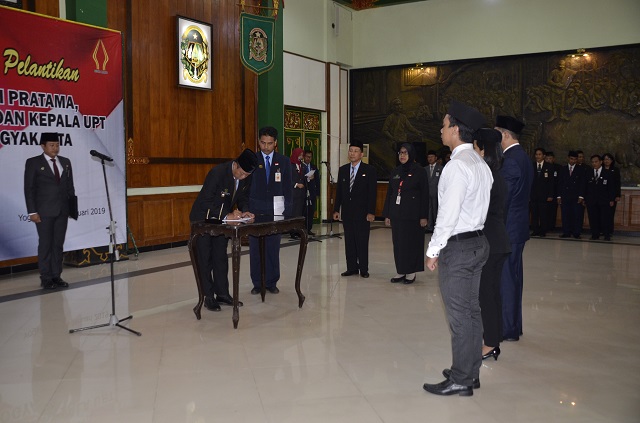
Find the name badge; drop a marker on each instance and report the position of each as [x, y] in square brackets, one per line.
[437, 173]
[278, 176]
[604, 182]
[398, 199]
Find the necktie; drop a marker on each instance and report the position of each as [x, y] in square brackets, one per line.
[431, 172]
[56, 172]
[570, 170]
[353, 177]
[267, 168]
[539, 167]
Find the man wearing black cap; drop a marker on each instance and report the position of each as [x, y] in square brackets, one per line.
[571, 182]
[517, 172]
[460, 249]
[356, 196]
[48, 186]
[225, 186]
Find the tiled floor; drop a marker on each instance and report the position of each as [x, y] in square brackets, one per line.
[359, 350]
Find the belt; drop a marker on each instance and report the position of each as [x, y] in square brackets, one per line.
[466, 235]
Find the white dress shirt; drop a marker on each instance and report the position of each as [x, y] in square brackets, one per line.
[463, 197]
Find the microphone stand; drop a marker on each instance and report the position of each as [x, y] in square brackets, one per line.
[331, 183]
[113, 319]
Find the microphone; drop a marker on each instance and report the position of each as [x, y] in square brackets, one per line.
[94, 153]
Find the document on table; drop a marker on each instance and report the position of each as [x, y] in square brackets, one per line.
[242, 219]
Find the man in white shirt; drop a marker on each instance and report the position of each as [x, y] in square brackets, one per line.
[459, 248]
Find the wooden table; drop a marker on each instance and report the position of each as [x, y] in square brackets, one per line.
[262, 226]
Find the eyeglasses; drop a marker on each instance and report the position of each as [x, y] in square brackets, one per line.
[403, 153]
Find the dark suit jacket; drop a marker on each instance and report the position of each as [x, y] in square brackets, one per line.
[518, 174]
[494, 226]
[570, 187]
[217, 198]
[543, 183]
[42, 193]
[433, 180]
[414, 194]
[362, 198]
[313, 186]
[600, 191]
[261, 195]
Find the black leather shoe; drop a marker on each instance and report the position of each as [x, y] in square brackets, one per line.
[211, 304]
[364, 274]
[227, 300]
[577, 236]
[60, 283]
[48, 284]
[349, 273]
[273, 289]
[396, 280]
[255, 291]
[512, 339]
[594, 238]
[493, 353]
[447, 387]
[607, 238]
[311, 233]
[476, 382]
[409, 281]
[565, 236]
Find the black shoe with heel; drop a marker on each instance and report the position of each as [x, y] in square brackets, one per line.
[493, 353]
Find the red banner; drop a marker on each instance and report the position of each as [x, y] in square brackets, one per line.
[59, 76]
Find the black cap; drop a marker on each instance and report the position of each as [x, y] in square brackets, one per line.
[488, 135]
[550, 153]
[46, 137]
[247, 160]
[509, 123]
[356, 143]
[468, 115]
[573, 153]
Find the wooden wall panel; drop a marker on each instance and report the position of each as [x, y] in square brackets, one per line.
[170, 126]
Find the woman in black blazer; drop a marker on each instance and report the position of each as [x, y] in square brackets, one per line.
[487, 144]
[406, 208]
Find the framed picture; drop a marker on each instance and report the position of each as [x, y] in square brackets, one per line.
[194, 54]
[12, 3]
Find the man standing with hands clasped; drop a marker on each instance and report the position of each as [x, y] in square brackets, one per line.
[517, 171]
[356, 195]
[48, 187]
[459, 248]
[271, 194]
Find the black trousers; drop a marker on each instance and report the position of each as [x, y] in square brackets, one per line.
[51, 234]
[572, 217]
[600, 219]
[356, 244]
[552, 216]
[212, 260]
[539, 216]
[491, 299]
[311, 210]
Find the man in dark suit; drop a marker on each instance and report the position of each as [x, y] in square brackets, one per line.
[271, 194]
[542, 194]
[48, 186]
[434, 170]
[355, 205]
[550, 158]
[571, 196]
[517, 172]
[313, 188]
[225, 186]
[600, 196]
